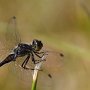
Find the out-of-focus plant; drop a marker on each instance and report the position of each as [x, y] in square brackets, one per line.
[86, 8]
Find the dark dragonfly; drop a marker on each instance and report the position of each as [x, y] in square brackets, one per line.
[15, 49]
[23, 49]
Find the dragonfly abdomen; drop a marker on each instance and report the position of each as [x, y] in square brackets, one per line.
[8, 59]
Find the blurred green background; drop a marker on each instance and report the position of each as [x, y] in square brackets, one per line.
[62, 25]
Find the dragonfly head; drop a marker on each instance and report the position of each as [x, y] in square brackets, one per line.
[37, 45]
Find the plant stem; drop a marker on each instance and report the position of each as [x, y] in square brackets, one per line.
[35, 72]
[34, 83]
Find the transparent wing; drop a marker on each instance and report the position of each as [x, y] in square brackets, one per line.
[12, 36]
[9, 37]
[53, 63]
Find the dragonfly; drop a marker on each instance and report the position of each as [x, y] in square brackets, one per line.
[23, 49]
[14, 47]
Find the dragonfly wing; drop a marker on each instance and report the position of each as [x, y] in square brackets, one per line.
[26, 76]
[47, 72]
[9, 38]
[12, 36]
[53, 63]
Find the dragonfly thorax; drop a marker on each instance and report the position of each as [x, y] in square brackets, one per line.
[22, 49]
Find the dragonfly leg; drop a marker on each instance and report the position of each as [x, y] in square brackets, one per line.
[36, 61]
[25, 62]
[38, 54]
[8, 59]
[32, 57]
